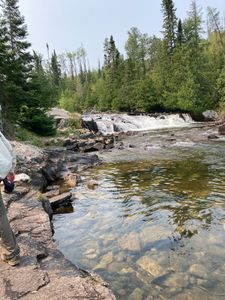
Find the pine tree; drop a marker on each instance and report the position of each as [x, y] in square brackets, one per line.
[180, 35]
[3, 59]
[169, 24]
[112, 57]
[18, 57]
[55, 70]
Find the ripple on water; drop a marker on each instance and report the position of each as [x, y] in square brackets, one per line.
[153, 227]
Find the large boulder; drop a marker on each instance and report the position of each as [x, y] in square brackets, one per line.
[210, 115]
[90, 124]
[61, 116]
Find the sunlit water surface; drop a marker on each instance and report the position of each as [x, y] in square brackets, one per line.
[154, 225]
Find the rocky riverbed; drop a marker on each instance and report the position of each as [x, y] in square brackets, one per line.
[44, 273]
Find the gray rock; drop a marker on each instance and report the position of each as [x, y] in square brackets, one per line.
[210, 115]
[198, 270]
[60, 200]
[150, 265]
[212, 137]
[130, 242]
[136, 294]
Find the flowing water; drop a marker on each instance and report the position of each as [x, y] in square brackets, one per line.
[154, 226]
[110, 123]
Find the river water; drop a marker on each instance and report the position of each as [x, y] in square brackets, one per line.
[153, 226]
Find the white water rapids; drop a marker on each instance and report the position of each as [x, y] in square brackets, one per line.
[110, 123]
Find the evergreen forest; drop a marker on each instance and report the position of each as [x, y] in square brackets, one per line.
[183, 70]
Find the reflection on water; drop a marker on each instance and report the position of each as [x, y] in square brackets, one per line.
[153, 227]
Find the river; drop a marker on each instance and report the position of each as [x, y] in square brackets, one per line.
[153, 225]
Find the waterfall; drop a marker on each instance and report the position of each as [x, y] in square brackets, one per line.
[110, 123]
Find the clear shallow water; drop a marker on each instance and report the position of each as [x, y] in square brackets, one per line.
[153, 226]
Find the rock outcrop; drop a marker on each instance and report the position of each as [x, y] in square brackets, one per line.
[210, 115]
[90, 144]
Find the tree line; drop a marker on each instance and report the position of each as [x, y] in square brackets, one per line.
[184, 70]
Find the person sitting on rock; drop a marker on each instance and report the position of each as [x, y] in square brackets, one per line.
[10, 251]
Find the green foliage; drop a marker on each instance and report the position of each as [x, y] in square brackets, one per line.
[36, 120]
[169, 24]
[15, 58]
[183, 71]
[22, 134]
[221, 89]
[55, 70]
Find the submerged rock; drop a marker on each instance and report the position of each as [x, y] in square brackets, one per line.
[198, 270]
[131, 242]
[136, 295]
[172, 280]
[150, 265]
[105, 261]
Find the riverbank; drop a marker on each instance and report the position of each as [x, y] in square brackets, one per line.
[44, 273]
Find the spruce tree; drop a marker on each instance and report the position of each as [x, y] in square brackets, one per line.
[180, 35]
[18, 57]
[55, 69]
[3, 59]
[169, 24]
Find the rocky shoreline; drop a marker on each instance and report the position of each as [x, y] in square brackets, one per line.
[44, 273]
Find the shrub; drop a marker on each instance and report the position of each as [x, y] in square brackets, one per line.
[36, 120]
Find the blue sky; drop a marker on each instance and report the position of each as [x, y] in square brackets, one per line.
[66, 24]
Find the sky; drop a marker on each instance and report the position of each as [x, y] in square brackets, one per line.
[67, 24]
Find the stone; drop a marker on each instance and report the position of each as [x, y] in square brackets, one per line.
[122, 292]
[52, 187]
[51, 193]
[150, 265]
[198, 270]
[121, 256]
[115, 267]
[127, 270]
[105, 261]
[130, 242]
[136, 294]
[92, 253]
[92, 184]
[212, 137]
[210, 115]
[61, 116]
[176, 280]
[70, 180]
[22, 178]
[90, 124]
[98, 146]
[60, 200]
[153, 233]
